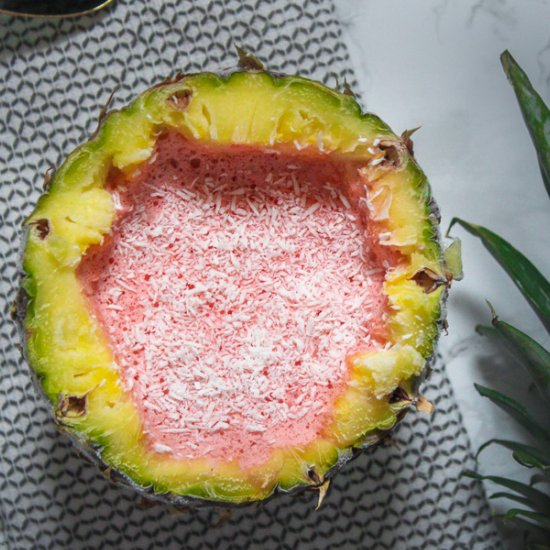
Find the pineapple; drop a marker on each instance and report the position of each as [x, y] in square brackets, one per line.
[233, 287]
[533, 517]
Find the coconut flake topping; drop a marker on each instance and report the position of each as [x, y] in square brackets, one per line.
[233, 286]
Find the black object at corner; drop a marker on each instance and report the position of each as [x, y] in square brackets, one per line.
[51, 8]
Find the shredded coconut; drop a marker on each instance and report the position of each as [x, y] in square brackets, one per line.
[231, 299]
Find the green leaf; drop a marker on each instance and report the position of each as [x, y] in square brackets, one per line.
[526, 350]
[535, 113]
[525, 454]
[517, 411]
[511, 496]
[538, 500]
[541, 519]
[527, 460]
[530, 281]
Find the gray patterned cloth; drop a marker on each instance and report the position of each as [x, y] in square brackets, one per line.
[56, 75]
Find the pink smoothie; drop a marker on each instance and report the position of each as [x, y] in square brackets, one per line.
[232, 287]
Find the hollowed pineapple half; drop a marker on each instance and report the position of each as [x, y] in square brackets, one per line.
[233, 287]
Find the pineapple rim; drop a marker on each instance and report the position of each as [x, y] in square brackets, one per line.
[382, 184]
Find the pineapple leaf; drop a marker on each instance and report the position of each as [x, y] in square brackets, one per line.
[538, 500]
[511, 496]
[529, 352]
[517, 411]
[527, 460]
[535, 287]
[541, 519]
[535, 113]
[528, 456]
[530, 281]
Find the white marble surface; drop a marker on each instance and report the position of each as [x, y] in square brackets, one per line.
[435, 63]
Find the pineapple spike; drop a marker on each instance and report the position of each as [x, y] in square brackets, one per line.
[323, 489]
[105, 108]
[347, 89]
[248, 61]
